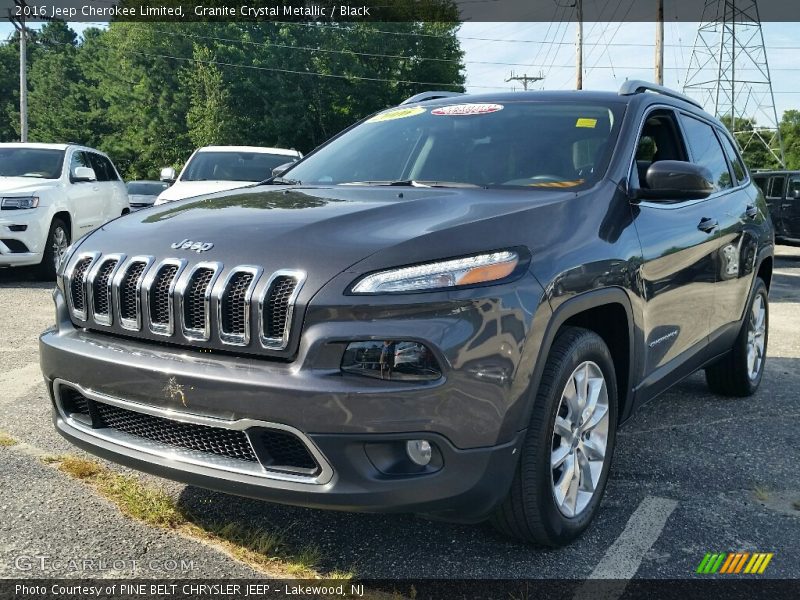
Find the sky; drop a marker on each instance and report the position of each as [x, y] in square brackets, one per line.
[548, 49]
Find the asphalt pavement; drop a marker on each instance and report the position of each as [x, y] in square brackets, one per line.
[693, 473]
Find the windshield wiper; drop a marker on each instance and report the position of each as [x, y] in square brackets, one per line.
[278, 180]
[415, 183]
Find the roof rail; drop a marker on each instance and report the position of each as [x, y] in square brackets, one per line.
[637, 86]
[430, 96]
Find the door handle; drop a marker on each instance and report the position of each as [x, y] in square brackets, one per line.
[751, 211]
[786, 206]
[708, 225]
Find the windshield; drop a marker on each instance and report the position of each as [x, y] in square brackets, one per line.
[147, 188]
[535, 144]
[31, 162]
[232, 166]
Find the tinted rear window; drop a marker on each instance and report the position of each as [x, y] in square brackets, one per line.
[511, 144]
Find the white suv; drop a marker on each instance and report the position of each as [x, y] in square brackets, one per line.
[220, 168]
[50, 195]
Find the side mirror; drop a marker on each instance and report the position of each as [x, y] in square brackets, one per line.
[676, 180]
[168, 174]
[281, 169]
[796, 194]
[80, 174]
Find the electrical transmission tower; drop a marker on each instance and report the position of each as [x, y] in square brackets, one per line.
[729, 71]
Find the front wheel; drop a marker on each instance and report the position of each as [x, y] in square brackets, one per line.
[562, 472]
[58, 240]
[739, 373]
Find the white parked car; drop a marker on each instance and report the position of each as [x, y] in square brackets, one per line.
[50, 195]
[220, 168]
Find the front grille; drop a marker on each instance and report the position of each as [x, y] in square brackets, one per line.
[274, 449]
[213, 440]
[195, 300]
[160, 307]
[101, 290]
[278, 301]
[77, 286]
[129, 292]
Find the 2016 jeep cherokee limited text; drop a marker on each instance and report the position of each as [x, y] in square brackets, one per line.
[448, 309]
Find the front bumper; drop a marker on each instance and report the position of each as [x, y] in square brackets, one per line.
[354, 424]
[33, 237]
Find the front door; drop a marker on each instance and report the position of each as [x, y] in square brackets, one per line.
[790, 209]
[85, 200]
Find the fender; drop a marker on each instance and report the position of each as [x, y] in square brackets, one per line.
[570, 308]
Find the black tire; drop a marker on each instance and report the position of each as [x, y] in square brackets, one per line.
[731, 375]
[47, 268]
[530, 511]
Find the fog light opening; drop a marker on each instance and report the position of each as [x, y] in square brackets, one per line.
[419, 451]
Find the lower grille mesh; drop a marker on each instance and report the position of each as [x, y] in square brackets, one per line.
[214, 440]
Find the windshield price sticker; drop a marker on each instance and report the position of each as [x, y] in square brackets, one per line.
[463, 110]
[400, 113]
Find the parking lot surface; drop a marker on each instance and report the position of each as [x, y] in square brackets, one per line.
[693, 473]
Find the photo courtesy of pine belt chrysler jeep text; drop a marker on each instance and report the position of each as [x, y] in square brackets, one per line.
[447, 309]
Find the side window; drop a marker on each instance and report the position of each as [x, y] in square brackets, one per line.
[734, 158]
[660, 140]
[794, 187]
[112, 172]
[99, 166]
[707, 152]
[776, 185]
[761, 182]
[79, 159]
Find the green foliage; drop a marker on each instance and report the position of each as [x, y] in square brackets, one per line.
[149, 93]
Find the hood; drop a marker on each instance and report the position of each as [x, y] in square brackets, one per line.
[324, 231]
[189, 189]
[25, 184]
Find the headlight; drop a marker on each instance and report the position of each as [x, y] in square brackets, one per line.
[470, 270]
[19, 202]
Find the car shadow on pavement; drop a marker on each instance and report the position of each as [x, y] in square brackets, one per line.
[23, 277]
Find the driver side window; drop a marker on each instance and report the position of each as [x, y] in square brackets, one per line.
[659, 140]
[79, 159]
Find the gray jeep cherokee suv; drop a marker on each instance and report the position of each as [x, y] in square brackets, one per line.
[447, 309]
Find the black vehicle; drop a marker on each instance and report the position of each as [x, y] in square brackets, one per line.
[447, 309]
[782, 190]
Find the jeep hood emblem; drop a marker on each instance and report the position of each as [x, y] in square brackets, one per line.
[190, 245]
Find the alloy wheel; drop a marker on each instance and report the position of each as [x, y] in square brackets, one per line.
[60, 244]
[580, 435]
[756, 337]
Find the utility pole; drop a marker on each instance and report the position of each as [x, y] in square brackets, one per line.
[660, 42]
[579, 45]
[19, 23]
[525, 79]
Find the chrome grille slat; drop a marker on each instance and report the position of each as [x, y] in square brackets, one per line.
[194, 301]
[233, 305]
[75, 284]
[127, 292]
[277, 306]
[99, 285]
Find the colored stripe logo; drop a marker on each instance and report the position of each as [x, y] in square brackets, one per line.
[733, 563]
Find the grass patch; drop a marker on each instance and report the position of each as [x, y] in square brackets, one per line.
[761, 492]
[265, 551]
[6, 440]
